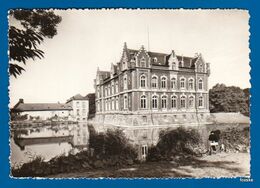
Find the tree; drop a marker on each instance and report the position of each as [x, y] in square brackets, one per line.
[25, 38]
[228, 99]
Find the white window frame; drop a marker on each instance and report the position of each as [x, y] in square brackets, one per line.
[200, 84]
[125, 102]
[181, 99]
[201, 102]
[142, 81]
[173, 83]
[164, 81]
[191, 81]
[143, 102]
[154, 101]
[182, 80]
[193, 101]
[174, 98]
[164, 104]
[156, 82]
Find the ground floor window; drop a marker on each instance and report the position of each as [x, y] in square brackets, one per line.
[200, 101]
[143, 102]
[183, 102]
[154, 102]
[125, 102]
[164, 102]
[174, 102]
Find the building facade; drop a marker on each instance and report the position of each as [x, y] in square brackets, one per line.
[145, 83]
[80, 106]
[42, 111]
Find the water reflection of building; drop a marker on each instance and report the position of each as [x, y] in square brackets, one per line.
[142, 84]
[80, 135]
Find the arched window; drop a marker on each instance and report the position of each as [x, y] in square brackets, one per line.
[191, 102]
[112, 104]
[116, 87]
[173, 83]
[105, 91]
[108, 90]
[125, 82]
[174, 101]
[200, 101]
[112, 88]
[164, 102]
[183, 102]
[173, 66]
[163, 82]
[124, 65]
[154, 102]
[200, 68]
[142, 62]
[182, 83]
[155, 60]
[116, 108]
[191, 84]
[125, 102]
[154, 82]
[200, 84]
[143, 101]
[143, 81]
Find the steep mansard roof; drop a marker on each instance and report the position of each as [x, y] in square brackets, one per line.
[159, 59]
[21, 107]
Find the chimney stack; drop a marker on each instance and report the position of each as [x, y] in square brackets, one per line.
[21, 101]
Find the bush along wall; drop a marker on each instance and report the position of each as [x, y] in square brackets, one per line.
[176, 143]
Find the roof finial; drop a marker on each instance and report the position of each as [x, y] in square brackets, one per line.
[125, 45]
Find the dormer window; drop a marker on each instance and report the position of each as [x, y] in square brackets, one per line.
[173, 66]
[124, 65]
[142, 62]
[200, 68]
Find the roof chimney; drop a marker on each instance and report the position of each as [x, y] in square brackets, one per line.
[21, 101]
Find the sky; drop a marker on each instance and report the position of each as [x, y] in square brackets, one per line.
[88, 39]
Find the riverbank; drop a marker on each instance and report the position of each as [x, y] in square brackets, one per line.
[217, 165]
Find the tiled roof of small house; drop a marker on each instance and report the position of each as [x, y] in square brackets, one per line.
[77, 97]
[41, 107]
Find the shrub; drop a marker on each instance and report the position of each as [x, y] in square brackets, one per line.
[111, 143]
[176, 142]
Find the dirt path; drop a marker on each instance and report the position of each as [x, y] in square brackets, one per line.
[218, 165]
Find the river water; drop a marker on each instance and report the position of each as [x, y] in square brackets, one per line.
[40, 142]
[22, 152]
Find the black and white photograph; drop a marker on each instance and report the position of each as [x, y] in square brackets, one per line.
[129, 93]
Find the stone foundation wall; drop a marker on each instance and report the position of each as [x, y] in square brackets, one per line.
[161, 119]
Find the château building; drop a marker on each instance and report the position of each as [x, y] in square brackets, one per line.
[145, 86]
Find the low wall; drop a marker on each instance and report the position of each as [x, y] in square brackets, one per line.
[162, 119]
